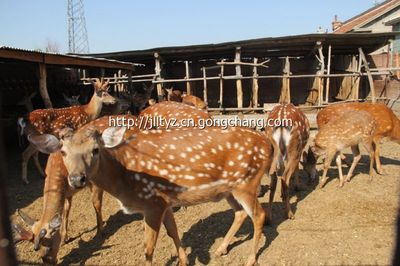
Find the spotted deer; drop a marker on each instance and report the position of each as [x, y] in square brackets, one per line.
[57, 202]
[348, 130]
[155, 170]
[51, 121]
[178, 96]
[387, 123]
[289, 135]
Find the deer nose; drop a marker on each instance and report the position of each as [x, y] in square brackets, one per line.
[77, 181]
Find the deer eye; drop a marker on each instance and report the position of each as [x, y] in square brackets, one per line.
[63, 153]
[95, 151]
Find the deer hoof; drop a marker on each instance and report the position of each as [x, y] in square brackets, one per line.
[221, 251]
[291, 215]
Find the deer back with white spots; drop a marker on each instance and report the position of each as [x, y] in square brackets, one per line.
[289, 136]
[51, 121]
[156, 170]
[387, 123]
[347, 130]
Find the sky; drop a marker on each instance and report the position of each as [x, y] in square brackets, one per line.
[121, 25]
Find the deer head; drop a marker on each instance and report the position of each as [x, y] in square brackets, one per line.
[73, 100]
[45, 236]
[101, 91]
[83, 159]
[309, 163]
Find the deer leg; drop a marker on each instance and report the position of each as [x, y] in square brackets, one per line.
[152, 221]
[253, 208]
[377, 156]
[172, 231]
[287, 174]
[240, 216]
[339, 166]
[97, 200]
[26, 155]
[64, 225]
[356, 158]
[37, 163]
[371, 147]
[274, 180]
[297, 185]
[327, 163]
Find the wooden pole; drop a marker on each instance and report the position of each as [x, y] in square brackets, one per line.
[130, 84]
[188, 88]
[43, 86]
[205, 86]
[157, 70]
[239, 90]
[328, 73]
[321, 72]
[221, 87]
[370, 79]
[255, 84]
[285, 90]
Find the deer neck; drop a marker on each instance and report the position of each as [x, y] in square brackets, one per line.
[93, 108]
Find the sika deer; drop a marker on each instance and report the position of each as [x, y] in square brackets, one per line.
[349, 130]
[156, 170]
[51, 121]
[50, 231]
[178, 96]
[57, 200]
[288, 138]
[387, 124]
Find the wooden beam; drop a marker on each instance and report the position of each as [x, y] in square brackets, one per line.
[239, 89]
[205, 86]
[370, 79]
[285, 90]
[43, 86]
[157, 70]
[221, 87]
[187, 70]
[255, 84]
[320, 73]
[328, 72]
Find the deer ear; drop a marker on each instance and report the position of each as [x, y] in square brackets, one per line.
[105, 84]
[113, 136]
[22, 234]
[55, 223]
[304, 157]
[45, 143]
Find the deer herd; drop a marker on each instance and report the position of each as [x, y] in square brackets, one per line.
[153, 170]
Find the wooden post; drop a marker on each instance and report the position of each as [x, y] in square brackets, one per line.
[221, 87]
[285, 90]
[43, 86]
[255, 84]
[157, 70]
[130, 85]
[321, 72]
[239, 90]
[328, 72]
[370, 79]
[102, 71]
[188, 88]
[205, 86]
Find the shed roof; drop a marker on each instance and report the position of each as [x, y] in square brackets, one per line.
[298, 45]
[16, 54]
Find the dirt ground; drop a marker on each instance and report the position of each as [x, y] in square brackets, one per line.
[353, 225]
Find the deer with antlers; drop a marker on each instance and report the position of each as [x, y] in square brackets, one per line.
[50, 232]
[155, 170]
[51, 121]
[289, 135]
[387, 123]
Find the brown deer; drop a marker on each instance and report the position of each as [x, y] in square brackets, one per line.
[57, 200]
[348, 130]
[288, 131]
[387, 124]
[51, 121]
[156, 170]
[178, 96]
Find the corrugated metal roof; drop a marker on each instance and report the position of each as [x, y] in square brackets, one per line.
[51, 58]
[297, 45]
